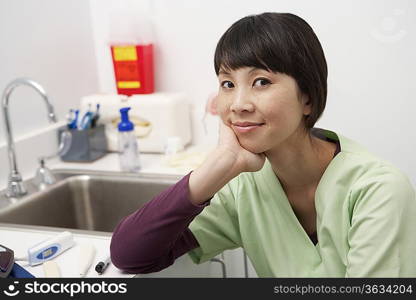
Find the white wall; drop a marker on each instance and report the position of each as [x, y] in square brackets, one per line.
[51, 42]
[369, 46]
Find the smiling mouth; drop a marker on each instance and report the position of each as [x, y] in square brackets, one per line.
[243, 127]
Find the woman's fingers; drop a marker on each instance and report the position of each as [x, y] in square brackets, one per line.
[247, 161]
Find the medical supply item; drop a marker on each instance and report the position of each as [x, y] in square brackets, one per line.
[128, 150]
[174, 145]
[86, 119]
[156, 117]
[50, 248]
[133, 68]
[73, 119]
[86, 257]
[51, 269]
[95, 116]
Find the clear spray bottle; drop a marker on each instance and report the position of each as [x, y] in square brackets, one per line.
[129, 156]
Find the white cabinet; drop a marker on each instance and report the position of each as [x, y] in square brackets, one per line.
[184, 267]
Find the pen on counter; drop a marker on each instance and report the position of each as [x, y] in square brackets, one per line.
[102, 264]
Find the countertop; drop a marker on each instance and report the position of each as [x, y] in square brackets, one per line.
[179, 164]
[21, 239]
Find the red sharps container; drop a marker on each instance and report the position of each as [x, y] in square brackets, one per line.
[133, 68]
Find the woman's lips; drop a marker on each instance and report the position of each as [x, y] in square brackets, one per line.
[243, 127]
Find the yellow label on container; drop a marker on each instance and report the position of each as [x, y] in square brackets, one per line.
[124, 53]
[128, 84]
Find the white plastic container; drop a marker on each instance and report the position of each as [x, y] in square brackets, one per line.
[156, 116]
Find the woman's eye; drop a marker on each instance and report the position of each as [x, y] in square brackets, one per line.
[227, 84]
[261, 82]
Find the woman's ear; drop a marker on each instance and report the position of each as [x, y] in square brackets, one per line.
[307, 106]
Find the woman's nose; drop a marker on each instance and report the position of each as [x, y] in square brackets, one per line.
[241, 103]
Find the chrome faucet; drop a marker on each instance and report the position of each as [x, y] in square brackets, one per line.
[15, 187]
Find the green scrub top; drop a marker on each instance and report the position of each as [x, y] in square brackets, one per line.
[366, 221]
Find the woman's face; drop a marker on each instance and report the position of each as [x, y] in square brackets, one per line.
[263, 108]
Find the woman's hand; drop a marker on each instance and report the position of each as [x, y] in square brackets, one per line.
[223, 164]
[245, 161]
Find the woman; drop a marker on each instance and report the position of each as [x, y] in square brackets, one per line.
[301, 201]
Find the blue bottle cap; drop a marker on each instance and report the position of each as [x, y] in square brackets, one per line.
[125, 124]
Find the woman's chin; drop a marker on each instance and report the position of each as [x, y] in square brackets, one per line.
[253, 148]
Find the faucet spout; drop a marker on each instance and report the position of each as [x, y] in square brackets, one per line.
[15, 186]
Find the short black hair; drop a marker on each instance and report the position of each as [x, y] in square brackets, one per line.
[278, 42]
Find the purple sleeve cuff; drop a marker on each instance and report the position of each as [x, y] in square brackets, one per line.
[151, 238]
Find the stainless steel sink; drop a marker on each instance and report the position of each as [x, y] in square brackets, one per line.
[87, 200]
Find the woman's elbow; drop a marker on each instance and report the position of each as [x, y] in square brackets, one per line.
[128, 261]
[118, 253]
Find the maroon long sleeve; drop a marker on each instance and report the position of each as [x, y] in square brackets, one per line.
[151, 238]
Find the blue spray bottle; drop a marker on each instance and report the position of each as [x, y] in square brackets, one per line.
[127, 144]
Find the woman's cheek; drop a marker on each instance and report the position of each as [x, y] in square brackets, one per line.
[224, 118]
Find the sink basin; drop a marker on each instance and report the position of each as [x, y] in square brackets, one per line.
[93, 201]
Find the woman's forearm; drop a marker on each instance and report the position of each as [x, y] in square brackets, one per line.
[151, 238]
[217, 170]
